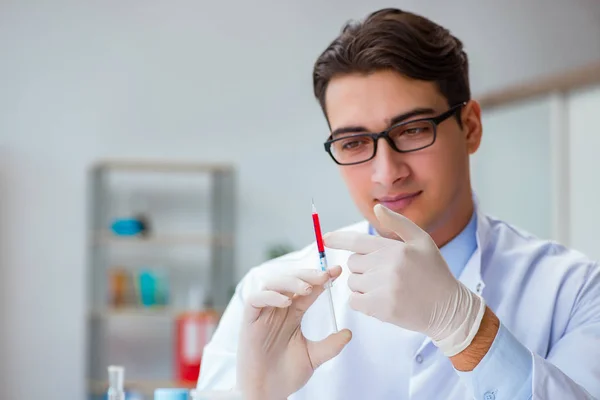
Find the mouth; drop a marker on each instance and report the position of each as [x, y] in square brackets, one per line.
[400, 202]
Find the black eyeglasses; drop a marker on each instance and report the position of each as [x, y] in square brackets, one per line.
[404, 137]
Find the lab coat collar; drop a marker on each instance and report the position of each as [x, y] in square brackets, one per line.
[471, 275]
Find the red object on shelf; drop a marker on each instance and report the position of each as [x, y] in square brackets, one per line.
[193, 331]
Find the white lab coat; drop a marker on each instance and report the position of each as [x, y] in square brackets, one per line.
[547, 296]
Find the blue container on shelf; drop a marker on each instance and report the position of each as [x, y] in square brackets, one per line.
[153, 287]
[172, 394]
[127, 226]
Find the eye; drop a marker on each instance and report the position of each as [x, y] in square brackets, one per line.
[411, 130]
[416, 130]
[353, 143]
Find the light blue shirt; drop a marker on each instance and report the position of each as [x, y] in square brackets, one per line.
[546, 297]
[459, 250]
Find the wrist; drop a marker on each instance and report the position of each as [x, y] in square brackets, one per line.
[469, 358]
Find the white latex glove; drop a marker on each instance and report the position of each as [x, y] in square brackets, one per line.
[408, 283]
[274, 358]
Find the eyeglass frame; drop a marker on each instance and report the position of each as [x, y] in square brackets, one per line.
[437, 120]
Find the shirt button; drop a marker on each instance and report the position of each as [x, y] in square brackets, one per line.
[489, 396]
[419, 360]
[478, 289]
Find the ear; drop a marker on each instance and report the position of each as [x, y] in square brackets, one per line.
[471, 120]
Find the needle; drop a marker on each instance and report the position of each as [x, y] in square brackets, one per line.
[323, 261]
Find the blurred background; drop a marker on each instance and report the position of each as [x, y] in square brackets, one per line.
[152, 152]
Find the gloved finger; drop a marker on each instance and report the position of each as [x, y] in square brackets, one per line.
[360, 302]
[301, 304]
[264, 298]
[399, 224]
[356, 242]
[299, 282]
[362, 283]
[312, 275]
[324, 350]
[334, 272]
[359, 263]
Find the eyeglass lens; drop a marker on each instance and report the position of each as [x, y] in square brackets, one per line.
[354, 148]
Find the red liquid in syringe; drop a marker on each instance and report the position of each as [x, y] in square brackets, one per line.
[317, 225]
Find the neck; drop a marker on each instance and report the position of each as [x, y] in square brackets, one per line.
[456, 219]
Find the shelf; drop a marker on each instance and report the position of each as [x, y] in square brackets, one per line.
[191, 239]
[146, 387]
[136, 312]
[197, 239]
[162, 166]
[133, 312]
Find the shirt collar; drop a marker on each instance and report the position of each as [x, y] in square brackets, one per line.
[459, 250]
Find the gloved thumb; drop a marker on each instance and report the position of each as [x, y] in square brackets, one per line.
[322, 351]
[398, 223]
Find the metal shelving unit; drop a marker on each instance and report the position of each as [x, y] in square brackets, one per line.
[197, 249]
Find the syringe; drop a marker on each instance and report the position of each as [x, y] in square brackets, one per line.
[115, 383]
[323, 261]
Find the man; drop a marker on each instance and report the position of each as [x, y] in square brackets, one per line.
[493, 314]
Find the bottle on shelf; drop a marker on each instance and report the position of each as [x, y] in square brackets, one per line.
[119, 279]
[116, 377]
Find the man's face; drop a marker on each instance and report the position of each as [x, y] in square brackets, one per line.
[430, 186]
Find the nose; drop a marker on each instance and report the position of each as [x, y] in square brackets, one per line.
[388, 165]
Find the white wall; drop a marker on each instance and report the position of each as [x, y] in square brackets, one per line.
[508, 42]
[512, 170]
[584, 149]
[193, 81]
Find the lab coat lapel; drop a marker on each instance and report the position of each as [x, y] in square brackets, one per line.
[471, 274]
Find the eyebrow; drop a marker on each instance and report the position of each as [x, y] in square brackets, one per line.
[393, 121]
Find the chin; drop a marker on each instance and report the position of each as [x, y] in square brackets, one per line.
[422, 218]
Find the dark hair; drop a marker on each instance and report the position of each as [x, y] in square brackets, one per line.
[401, 41]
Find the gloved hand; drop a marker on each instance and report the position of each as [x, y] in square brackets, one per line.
[408, 283]
[274, 358]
